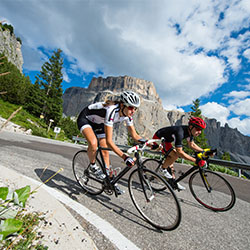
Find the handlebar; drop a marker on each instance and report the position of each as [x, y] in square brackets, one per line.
[206, 153]
[141, 147]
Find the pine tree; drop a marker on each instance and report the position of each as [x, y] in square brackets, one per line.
[50, 80]
[201, 139]
[196, 111]
[35, 100]
[14, 83]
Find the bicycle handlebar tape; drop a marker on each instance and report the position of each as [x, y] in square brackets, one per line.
[129, 161]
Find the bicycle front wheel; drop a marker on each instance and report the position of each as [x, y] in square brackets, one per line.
[154, 165]
[159, 208]
[85, 178]
[212, 190]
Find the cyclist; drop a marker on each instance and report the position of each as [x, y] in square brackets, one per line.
[176, 134]
[98, 118]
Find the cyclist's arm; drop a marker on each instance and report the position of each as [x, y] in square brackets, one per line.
[133, 133]
[194, 146]
[184, 155]
[110, 143]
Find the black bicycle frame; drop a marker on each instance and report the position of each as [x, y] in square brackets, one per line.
[119, 176]
[111, 182]
[189, 172]
[186, 173]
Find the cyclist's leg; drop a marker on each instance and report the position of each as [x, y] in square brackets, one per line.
[89, 134]
[170, 159]
[105, 153]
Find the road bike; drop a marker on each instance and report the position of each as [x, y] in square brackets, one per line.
[152, 196]
[209, 188]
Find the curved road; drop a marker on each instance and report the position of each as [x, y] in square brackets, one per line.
[199, 228]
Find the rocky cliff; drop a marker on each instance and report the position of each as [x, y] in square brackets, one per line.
[11, 48]
[151, 115]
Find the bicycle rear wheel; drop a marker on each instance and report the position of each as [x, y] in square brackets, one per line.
[213, 192]
[159, 208]
[152, 164]
[85, 178]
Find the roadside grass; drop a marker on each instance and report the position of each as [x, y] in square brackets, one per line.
[19, 227]
[28, 121]
[28, 237]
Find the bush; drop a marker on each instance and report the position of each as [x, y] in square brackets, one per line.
[7, 27]
[69, 127]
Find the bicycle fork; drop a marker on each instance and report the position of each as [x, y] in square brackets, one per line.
[205, 181]
[144, 179]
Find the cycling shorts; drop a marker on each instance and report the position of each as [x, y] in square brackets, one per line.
[167, 147]
[83, 122]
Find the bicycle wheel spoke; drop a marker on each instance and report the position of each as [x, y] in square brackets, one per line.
[160, 208]
[220, 195]
[154, 165]
[85, 178]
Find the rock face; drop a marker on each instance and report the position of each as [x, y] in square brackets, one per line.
[144, 88]
[151, 115]
[229, 140]
[11, 48]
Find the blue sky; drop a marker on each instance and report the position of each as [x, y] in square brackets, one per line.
[188, 49]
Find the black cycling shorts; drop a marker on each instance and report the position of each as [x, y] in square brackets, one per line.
[83, 122]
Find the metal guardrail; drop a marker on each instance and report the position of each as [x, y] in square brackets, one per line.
[229, 164]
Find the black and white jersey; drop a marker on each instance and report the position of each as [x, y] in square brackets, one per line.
[98, 114]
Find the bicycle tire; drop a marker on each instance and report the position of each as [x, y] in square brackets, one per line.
[163, 210]
[85, 178]
[220, 198]
[154, 165]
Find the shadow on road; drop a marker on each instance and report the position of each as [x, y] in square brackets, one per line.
[72, 189]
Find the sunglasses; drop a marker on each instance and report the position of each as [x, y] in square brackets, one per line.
[132, 108]
[198, 129]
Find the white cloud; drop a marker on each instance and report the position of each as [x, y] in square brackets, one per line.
[173, 107]
[235, 96]
[242, 125]
[241, 107]
[166, 42]
[238, 94]
[216, 111]
[65, 76]
[247, 54]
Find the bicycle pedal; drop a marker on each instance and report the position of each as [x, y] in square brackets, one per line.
[151, 198]
[108, 191]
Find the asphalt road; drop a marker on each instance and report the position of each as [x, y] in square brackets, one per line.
[199, 228]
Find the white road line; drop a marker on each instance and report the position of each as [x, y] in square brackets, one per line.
[118, 239]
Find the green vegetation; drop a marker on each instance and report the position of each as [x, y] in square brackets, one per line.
[19, 40]
[37, 125]
[7, 27]
[222, 169]
[18, 228]
[42, 98]
[201, 140]
[15, 83]
[226, 156]
[49, 87]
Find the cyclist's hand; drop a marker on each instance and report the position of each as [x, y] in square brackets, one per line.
[155, 146]
[200, 163]
[129, 161]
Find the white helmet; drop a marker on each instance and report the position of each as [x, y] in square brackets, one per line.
[130, 98]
